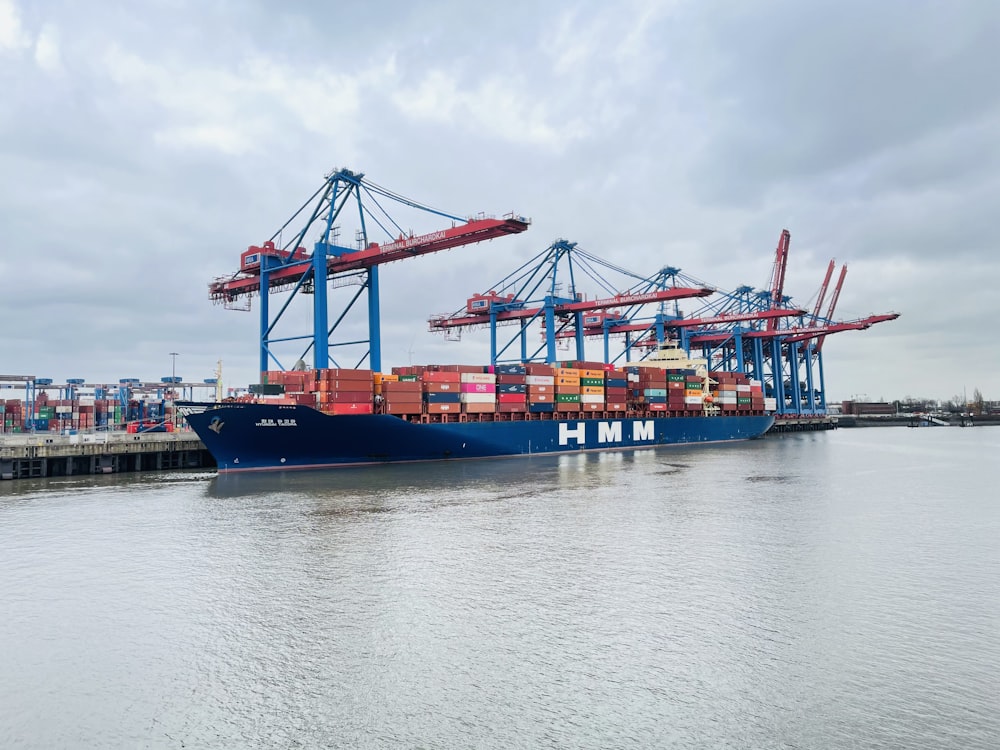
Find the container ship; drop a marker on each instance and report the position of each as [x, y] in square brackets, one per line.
[328, 418]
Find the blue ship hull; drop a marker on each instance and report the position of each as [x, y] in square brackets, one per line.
[256, 437]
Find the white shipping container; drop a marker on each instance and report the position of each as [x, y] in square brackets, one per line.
[591, 398]
[770, 404]
[726, 399]
[86, 400]
[740, 388]
[692, 399]
[540, 379]
[756, 383]
[478, 398]
[478, 377]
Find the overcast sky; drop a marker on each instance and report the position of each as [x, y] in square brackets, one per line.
[144, 146]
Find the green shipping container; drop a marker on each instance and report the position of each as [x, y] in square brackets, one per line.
[592, 381]
[675, 378]
[409, 378]
[568, 398]
[743, 401]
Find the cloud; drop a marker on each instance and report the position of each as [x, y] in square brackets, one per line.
[13, 37]
[148, 146]
[47, 50]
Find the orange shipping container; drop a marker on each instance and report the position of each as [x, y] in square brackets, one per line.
[480, 408]
[443, 387]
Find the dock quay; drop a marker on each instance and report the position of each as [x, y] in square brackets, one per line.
[42, 455]
[803, 423]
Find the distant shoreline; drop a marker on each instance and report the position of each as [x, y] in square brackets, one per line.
[848, 420]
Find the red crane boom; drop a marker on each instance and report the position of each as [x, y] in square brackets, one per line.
[778, 274]
[833, 302]
[618, 300]
[475, 230]
[800, 333]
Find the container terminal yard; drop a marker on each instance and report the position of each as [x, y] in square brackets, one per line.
[63, 429]
[757, 348]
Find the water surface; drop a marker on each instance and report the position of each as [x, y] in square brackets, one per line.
[808, 591]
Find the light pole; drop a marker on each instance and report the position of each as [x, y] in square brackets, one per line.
[173, 387]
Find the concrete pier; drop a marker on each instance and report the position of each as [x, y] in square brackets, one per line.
[44, 455]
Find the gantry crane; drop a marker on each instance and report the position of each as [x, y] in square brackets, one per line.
[379, 239]
[536, 296]
[786, 354]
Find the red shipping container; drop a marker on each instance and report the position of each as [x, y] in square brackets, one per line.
[510, 379]
[512, 408]
[344, 374]
[356, 397]
[512, 398]
[565, 406]
[349, 408]
[444, 408]
[532, 369]
[619, 406]
[439, 376]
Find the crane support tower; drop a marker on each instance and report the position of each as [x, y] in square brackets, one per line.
[288, 266]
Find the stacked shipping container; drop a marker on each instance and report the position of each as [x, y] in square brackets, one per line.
[562, 389]
[735, 392]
